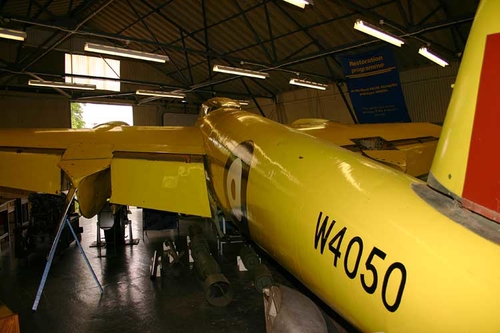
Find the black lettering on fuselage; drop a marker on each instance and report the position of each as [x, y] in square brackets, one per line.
[320, 232]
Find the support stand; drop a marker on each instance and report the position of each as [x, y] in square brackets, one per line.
[226, 239]
[64, 221]
[127, 240]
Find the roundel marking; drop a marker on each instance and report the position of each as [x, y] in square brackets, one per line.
[233, 188]
[237, 170]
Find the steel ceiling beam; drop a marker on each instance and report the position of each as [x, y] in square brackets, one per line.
[255, 34]
[88, 32]
[154, 10]
[403, 13]
[169, 20]
[430, 14]
[300, 49]
[43, 8]
[190, 34]
[369, 13]
[455, 31]
[186, 56]
[207, 47]
[270, 30]
[311, 37]
[224, 56]
[21, 45]
[67, 35]
[410, 12]
[317, 24]
[193, 89]
[287, 33]
[82, 7]
[156, 39]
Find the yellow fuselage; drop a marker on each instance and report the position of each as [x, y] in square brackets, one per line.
[336, 219]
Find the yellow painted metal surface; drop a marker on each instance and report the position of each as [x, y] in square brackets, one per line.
[392, 158]
[419, 157]
[334, 219]
[452, 152]
[83, 151]
[341, 134]
[176, 186]
[410, 156]
[93, 192]
[30, 171]
[174, 140]
[79, 169]
[85, 156]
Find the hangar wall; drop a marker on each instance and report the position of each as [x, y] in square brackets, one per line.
[29, 110]
[427, 92]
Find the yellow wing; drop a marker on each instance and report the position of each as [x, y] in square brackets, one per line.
[408, 147]
[152, 167]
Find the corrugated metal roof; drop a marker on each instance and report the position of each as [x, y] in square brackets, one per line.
[267, 35]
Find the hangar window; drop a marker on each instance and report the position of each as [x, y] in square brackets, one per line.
[93, 66]
[89, 115]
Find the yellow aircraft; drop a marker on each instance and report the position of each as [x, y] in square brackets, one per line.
[387, 251]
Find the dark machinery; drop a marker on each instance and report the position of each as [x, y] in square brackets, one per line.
[218, 290]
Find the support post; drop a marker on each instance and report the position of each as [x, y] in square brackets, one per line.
[64, 220]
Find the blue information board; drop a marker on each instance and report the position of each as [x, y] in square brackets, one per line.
[374, 87]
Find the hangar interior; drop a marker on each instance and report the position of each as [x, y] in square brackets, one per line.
[271, 36]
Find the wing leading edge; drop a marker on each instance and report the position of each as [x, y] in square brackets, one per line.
[152, 167]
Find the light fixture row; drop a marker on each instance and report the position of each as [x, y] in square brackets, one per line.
[308, 84]
[12, 34]
[240, 71]
[111, 50]
[97, 48]
[159, 93]
[376, 32]
[394, 40]
[127, 53]
[56, 84]
[432, 56]
[300, 3]
[264, 75]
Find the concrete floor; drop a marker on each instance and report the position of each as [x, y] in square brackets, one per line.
[131, 302]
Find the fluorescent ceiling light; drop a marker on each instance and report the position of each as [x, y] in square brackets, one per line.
[375, 32]
[158, 93]
[300, 3]
[117, 51]
[240, 71]
[433, 57]
[308, 84]
[54, 84]
[12, 34]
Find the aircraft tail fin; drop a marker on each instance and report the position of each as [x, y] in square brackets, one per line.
[467, 161]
